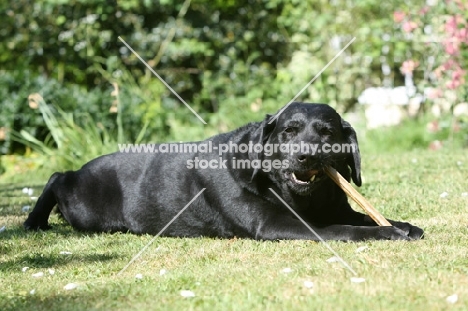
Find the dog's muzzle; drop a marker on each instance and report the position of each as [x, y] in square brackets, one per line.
[306, 177]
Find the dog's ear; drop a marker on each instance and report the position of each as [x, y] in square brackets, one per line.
[267, 127]
[354, 158]
[261, 136]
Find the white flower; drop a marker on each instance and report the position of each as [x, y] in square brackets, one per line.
[51, 271]
[444, 194]
[452, 298]
[139, 276]
[187, 293]
[361, 249]
[32, 291]
[357, 280]
[70, 286]
[464, 194]
[38, 275]
[333, 259]
[28, 191]
[25, 269]
[308, 284]
[162, 271]
[287, 270]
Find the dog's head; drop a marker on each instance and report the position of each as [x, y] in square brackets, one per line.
[310, 137]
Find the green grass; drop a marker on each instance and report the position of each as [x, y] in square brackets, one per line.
[246, 275]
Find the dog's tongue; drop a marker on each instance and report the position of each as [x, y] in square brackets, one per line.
[306, 175]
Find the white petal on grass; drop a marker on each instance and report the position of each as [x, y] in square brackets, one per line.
[51, 271]
[38, 275]
[187, 293]
[33, 198]
[452, 298]
[333, 259]
[3, 228]
[309, 284]
[139, 276]
[24, 269]
[32, 291]
[30, 191]
[65, 253]
[444, 194]
[162, 271]
[287, 270]
[70, 286]
[414, 160]
[25, 190]
[361, 249]
[25, 208]
[357, 280]
[464, 194]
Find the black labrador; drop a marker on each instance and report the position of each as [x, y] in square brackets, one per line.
[244, 179]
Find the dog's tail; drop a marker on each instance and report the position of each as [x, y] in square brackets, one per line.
[39, 217]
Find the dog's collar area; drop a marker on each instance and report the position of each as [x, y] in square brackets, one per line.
[306, 177]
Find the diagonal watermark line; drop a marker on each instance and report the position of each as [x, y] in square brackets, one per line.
[160, 232]
[161, 79]
[312, 81]
[315, 233]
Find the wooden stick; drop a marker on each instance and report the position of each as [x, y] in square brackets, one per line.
[356, 196]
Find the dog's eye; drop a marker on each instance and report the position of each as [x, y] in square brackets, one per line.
[326, 132]
[289, 129]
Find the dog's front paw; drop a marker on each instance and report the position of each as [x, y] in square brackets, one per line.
[31, 226]
[413, 232]
[393, 233]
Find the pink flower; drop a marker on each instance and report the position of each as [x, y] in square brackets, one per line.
[434, 93]
[452, 46]
[451, 26]
[408, 66]
[409, 26]
[462, 35]
[435, 145]
[398, 16]
[433, 126]
[424, 10]
[458, 74]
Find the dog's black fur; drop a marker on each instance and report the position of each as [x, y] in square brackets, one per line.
[141, 192]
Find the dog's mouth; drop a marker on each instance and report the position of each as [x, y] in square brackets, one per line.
[306, 177]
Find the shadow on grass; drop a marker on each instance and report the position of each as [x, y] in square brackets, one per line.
[11, 238]
[62, 229]
[42, 261]
[76, 300]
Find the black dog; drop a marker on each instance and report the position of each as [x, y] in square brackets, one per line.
[143, 192]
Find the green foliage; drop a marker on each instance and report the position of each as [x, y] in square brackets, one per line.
[17, 115]
[231, 61]
[69, 145]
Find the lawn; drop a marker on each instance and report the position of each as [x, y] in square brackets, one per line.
[427, 188]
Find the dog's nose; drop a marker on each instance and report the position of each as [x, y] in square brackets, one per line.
[306, 158]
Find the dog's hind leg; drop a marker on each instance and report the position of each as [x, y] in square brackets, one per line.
[39, 217]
